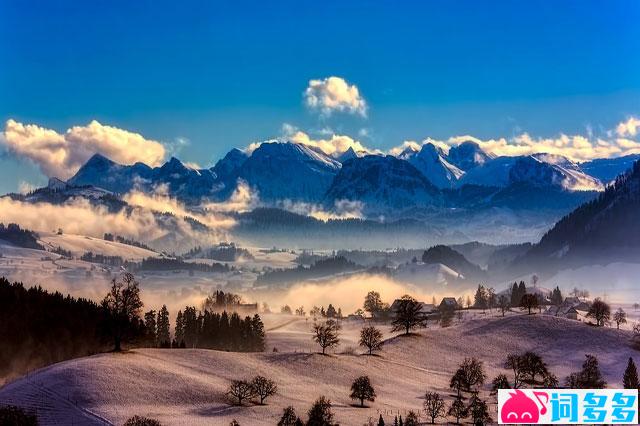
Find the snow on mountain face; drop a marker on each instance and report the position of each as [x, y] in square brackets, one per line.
[185, 183]
[552, 170]
[536, 169]
[287, 170]
[101, 172]
[229, 165]
[607, 169]
[468, 155]
[382, 183]
[490, 173]
[431, 162]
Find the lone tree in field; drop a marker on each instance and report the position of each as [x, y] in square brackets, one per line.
[630, 378]
[600, 311]
[239, 391]
[408, 315]
[620, 317]
[433, 406]
[513, 363]
[589, 377]
[263, 388]
[123, 305]
[531, 365]
[320, 413]
[326, 335]
[362, 390]
[290, 418]
[529, 302]
[371, 338]
[471, 374]
[458, 409]
[504, 304]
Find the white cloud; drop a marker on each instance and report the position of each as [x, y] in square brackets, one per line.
[575, 147]
[61, 155]
[334, 94]
[333, 146]
[629, 127]
[342, 209]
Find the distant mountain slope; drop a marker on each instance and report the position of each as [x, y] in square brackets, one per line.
[468, 155]
[382, 183]
[603, 229]
[286, 170]
[454, 260]
[183, 182]
[606, 169]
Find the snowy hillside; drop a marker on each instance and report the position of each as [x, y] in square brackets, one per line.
[187, 386]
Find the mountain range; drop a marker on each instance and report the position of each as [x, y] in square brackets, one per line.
[414, 181]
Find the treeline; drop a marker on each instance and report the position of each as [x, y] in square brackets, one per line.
[221, 331]
[320, 268]
[127, 241]
[38, 328]
[19, 237]
[154, 264]
[223, 252]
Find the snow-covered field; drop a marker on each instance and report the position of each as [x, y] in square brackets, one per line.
[186, 387]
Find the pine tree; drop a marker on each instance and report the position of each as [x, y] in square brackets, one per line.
[151, 328]
[179, 330]
[163, 327]
[380, 421]
[630, 378]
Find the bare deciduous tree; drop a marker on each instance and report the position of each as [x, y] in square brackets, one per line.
[408, 315]
[123, 305]
[239, 391]
[600, 311]
[433, 406]
[362, 390]
[264, 388]
[371, 338]
[326, 334]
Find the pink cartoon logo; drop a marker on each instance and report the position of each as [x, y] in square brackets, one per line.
[519, 408]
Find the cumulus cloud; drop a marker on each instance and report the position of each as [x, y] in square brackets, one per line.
[629, 127]
[78, 216]
[575, 147]
[334, 94]
[417, 146]
[333, 146]
[160, 201]
[243, 199]
[61, 155]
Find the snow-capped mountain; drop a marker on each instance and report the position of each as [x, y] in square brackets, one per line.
[229, 165]
[432, 163]
[468, 155]
[491, 173]
[382, 183]
[537, 170]
[552, 170]
[287, 170]
[185, 183]
[607, 169]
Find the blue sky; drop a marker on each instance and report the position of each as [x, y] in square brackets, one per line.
[225, 74]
